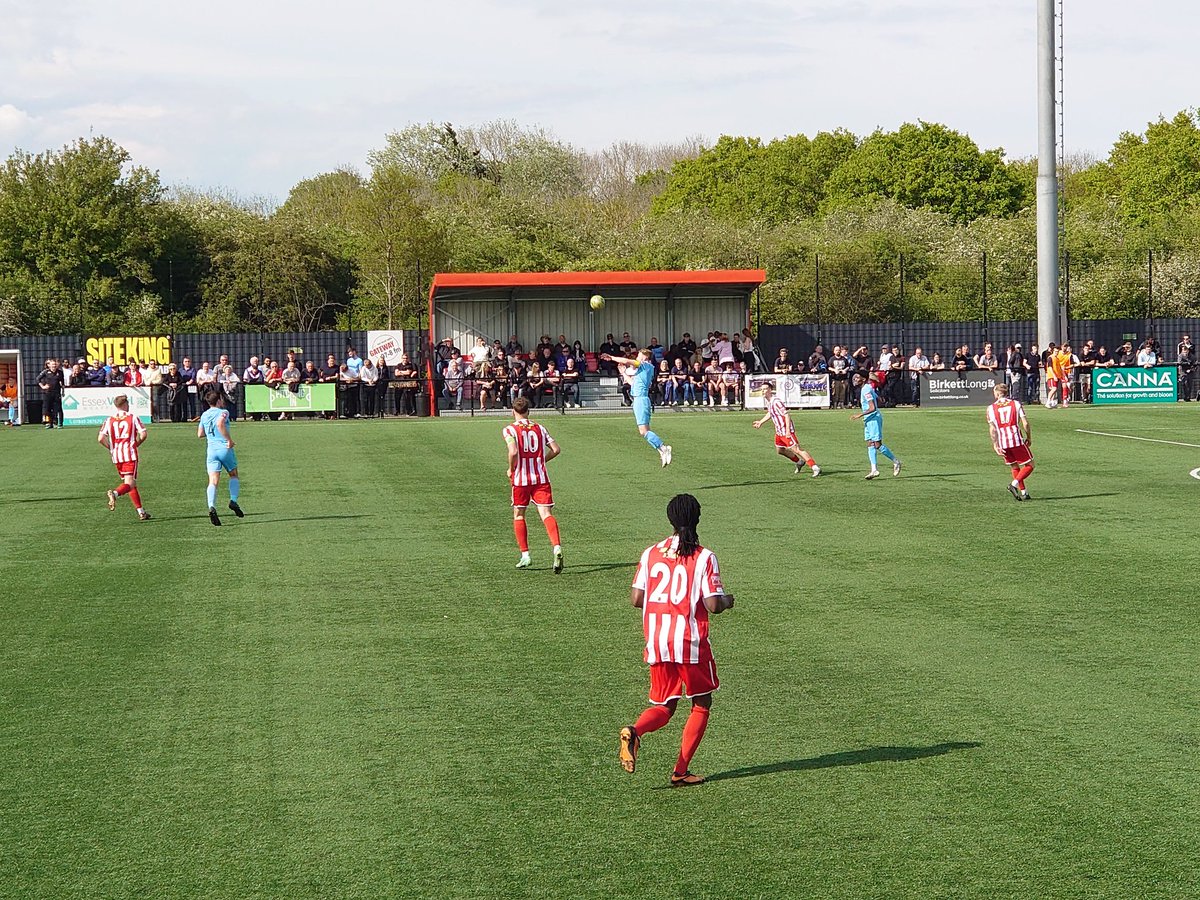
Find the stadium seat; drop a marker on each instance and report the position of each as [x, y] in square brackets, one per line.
[593, 365]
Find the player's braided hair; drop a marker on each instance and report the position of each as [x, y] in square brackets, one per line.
[683, 512]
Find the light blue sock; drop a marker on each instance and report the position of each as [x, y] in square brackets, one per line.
[653, 440]
[883, 448]
[212, 496]
[235, 485]
[873, 456]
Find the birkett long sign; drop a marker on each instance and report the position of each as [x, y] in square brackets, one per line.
[959, 388]
[1135, 385]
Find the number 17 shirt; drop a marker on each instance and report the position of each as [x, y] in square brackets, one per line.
[674, 617]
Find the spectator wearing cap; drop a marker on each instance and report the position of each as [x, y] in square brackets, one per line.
[1017, 370]
[1185, 359]
[688, 348]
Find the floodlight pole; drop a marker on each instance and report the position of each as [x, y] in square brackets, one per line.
[1047, 180]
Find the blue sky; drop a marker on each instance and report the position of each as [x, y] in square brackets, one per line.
[253, 97]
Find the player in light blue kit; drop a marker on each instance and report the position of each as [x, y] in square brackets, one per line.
[873, 425]
[639, 392]
[214, 426]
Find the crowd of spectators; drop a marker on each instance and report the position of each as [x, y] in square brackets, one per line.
[496, 374]
[690, 373]
[362, 384]
[1021, 368]
[708, 372]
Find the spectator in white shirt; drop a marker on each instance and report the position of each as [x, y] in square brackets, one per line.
[368, 376]
[1146, 357]
[917, 363]
[479, 353]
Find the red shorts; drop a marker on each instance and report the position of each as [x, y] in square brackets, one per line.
[787, 441]
[670, 681]
[1017, 456]
[540, 494]
[125, 469]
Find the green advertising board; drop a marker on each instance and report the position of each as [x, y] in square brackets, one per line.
[1128, 385]
[307, 398]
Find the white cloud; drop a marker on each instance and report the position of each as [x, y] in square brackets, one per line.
[13, 121]
[256, 97]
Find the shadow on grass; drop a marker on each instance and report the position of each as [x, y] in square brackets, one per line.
[598, 567]
[713, 487]
[304, 518]
[1072, 497]
[847, 758]
[52, 499]
[934, 475]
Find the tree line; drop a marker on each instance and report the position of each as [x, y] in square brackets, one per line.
[915, 224]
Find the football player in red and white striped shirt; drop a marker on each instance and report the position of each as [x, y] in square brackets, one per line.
[1010, 439]
[785, 432]
[122, 434]
[677, 586]
[530, 447]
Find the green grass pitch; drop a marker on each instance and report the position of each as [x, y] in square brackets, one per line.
[929, 690]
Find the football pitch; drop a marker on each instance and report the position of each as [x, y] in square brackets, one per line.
[928, 689]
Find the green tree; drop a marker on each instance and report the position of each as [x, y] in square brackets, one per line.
[929, 165]
[1157, 173]
[741, 179]
[79, 228]
[392, 237]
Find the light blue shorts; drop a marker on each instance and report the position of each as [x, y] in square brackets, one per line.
[873, 430]
[641, 410]
[219, 459]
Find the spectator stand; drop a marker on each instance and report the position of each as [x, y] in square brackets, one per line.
[661, 304]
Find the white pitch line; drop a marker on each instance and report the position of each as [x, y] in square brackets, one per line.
[1195, 473]
[1132, 437]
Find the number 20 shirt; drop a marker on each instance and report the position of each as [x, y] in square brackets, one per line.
[674, 617]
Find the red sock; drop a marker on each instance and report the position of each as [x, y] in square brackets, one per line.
[522, 533]
[123, 489]
[135, 497]
[652, 719]
[1023, 473]
[811, 463]
[551, 524]
[693, 732]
